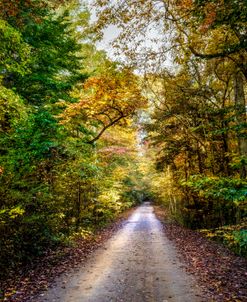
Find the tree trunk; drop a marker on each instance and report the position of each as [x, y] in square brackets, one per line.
[78, 206]
[240, 117]
[199, 158]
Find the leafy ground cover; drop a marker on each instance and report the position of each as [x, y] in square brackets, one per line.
[221, 273]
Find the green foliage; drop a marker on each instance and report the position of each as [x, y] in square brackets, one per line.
[56, 62]
[14, 52]
[39, 64]
[228, 189]
[233, 236]
[133, 197]
[12, 109]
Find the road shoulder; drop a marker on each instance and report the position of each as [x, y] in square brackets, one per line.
[221, 274]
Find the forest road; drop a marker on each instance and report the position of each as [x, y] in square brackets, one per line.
[138, 264]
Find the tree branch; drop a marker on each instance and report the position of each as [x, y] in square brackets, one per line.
[116, 120]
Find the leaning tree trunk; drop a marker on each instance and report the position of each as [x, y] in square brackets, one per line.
[240, 117]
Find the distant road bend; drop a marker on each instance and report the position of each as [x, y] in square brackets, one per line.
[138, 264]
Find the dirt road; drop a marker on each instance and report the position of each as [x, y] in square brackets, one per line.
[138, 264]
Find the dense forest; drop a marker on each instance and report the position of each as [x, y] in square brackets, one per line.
[84, 137]
[60, 175]
[194, 76]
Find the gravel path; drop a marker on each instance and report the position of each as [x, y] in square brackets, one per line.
[138, 264]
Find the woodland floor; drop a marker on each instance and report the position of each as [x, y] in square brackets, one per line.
[136, 259]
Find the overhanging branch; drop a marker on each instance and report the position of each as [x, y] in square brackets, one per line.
[113, 122]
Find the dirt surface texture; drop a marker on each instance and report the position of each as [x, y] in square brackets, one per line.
[138, 264]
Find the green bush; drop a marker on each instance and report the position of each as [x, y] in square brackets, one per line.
[233, 236]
